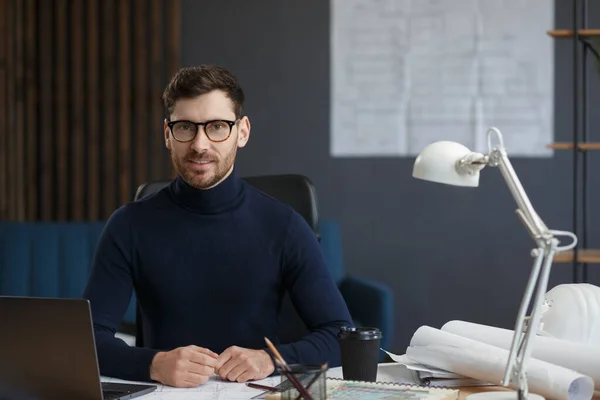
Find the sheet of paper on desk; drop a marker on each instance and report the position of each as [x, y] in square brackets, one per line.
[429, 376]
[484, 362]
[215, 388]
[426, 369]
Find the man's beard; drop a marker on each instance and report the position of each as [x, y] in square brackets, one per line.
[207, 179]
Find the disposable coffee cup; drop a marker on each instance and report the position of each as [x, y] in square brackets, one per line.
[359, 349]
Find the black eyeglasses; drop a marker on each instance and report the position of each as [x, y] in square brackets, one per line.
[216, 130]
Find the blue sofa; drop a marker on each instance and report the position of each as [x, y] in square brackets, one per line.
[53, 259]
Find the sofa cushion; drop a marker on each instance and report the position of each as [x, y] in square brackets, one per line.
[48, 259]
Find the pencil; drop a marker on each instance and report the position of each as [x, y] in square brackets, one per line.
[276, 353]
[286, 370]
[314, 379]
[262, 387]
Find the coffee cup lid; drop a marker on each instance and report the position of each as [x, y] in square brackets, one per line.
[362, 333]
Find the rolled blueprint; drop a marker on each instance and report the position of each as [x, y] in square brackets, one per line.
[583, 358]
[485, 362]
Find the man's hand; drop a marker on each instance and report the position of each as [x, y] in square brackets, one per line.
[183, 367]
[241, 365]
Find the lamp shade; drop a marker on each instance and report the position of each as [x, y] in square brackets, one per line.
[438, 161]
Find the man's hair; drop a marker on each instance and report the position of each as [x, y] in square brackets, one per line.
[190, 82]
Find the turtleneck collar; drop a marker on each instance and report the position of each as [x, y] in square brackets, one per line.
[222, 197]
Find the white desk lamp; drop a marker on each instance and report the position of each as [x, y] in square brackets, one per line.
[454, 164]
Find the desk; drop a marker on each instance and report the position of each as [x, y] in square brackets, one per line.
[392, 372]
[217, 389]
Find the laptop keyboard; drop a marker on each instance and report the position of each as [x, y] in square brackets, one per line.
[112, 394]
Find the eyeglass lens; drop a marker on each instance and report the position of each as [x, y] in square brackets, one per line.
[215, 130]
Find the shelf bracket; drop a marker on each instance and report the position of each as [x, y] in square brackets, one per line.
[590, 46]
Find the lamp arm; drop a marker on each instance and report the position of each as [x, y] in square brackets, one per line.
[548, 245]
[520, 351]
[536, 227]
[537, 284]
[471, 164]
[497, 157]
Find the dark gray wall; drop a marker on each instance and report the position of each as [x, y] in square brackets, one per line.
[448, 253]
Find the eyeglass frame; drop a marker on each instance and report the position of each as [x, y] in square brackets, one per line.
[170, 124]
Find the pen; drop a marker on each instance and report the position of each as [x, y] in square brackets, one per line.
[262, 387]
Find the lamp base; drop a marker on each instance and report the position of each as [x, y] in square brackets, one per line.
[504, 395]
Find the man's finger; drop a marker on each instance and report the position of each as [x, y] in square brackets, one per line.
[223, 358]
[245, 376]
[190, 377]
[198, 369]
[236, 372]
[205, 351]
[203, 359]
[190, 383]
[228, 366]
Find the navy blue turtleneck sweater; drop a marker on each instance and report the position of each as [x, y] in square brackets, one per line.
[210, 268]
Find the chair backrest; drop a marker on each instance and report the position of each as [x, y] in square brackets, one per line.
[295, 190]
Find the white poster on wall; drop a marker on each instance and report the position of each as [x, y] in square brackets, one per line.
[406, 73]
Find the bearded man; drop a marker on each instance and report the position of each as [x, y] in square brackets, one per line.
[209, 257]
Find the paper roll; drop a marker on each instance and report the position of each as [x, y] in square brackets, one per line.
[583, 358]
[485, 362]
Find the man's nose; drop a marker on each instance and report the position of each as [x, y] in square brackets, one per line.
[201, 142]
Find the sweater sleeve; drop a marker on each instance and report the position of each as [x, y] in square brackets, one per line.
[109, 290]
[315, 296]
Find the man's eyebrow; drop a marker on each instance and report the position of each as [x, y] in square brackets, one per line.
[205, 119]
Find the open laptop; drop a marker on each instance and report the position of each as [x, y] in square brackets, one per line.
[47, 352]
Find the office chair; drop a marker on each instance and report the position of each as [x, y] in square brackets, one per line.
[295, 190]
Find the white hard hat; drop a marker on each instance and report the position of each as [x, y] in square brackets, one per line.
[572, 313]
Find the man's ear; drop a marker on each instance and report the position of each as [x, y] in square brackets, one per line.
[243, 132]
[167, 134]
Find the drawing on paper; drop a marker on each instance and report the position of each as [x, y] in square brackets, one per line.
[406, 73]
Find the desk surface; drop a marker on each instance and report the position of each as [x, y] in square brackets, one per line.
[217, 389]
[393, 372]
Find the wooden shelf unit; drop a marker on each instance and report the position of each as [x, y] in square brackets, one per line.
[585, 256]
[584, 43]
[570, 145]
[567, 33]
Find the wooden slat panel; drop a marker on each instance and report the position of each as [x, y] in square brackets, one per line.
[10, 108]
[125, 130]
[93, 104]
[173, 47]
[156, 141]
[31, 117]
[173, 36]
[108, 159]
[4, 187]
[61, 154]
[140, 129]
[78, 164]
[46, 131]
[19, 99]
[74, 94]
